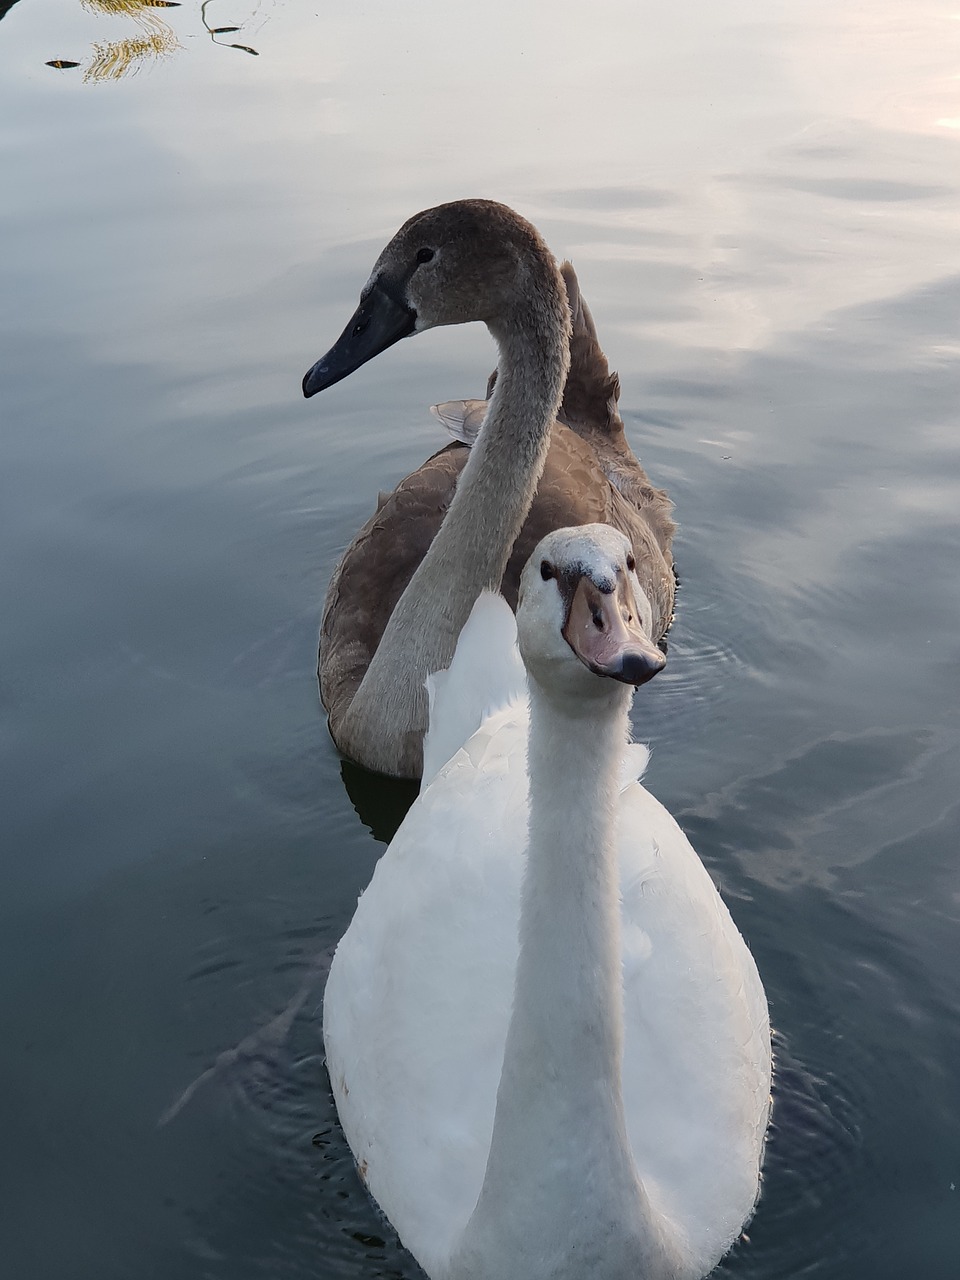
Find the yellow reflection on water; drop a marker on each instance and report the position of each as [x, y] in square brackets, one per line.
[114, 59]
[132, 7]
[155, 40]
[118, 58]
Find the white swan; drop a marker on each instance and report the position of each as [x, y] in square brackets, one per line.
[550, 1052]
[405, 587]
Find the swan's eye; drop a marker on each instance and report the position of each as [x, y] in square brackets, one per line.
[359, 327]
[631, 563]
[546, 570]
[424, 255]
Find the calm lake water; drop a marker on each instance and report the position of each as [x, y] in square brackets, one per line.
[762, 204]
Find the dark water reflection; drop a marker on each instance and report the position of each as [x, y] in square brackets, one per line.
[776, 275]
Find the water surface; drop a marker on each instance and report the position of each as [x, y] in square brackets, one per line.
[761, 203]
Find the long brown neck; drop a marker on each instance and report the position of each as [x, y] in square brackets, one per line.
[388, 715]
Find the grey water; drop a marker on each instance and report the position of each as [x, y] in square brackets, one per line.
[762, 205]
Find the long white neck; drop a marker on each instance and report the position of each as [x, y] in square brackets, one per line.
[561, 1183]
[472, 546]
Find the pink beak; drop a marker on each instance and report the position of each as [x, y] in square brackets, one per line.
[603, 630]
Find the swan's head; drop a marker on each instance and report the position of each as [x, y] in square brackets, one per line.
[469, 260]
[582, 614]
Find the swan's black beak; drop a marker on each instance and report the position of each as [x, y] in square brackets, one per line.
[604, 632]
[378, 322]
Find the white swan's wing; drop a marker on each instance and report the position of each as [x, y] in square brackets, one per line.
[697, 1038]
[419, 994]
[485, 675]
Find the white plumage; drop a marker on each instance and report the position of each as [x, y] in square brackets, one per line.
[421, 991]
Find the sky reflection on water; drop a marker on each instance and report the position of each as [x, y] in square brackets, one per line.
[761, 205]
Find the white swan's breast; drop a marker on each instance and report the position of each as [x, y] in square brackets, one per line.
[419, 998]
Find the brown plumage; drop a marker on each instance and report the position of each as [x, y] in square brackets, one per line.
[590, 476]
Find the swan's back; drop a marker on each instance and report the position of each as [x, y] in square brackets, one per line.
[590, 408]
[380, 561]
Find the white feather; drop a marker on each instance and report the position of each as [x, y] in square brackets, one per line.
[485, 675]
